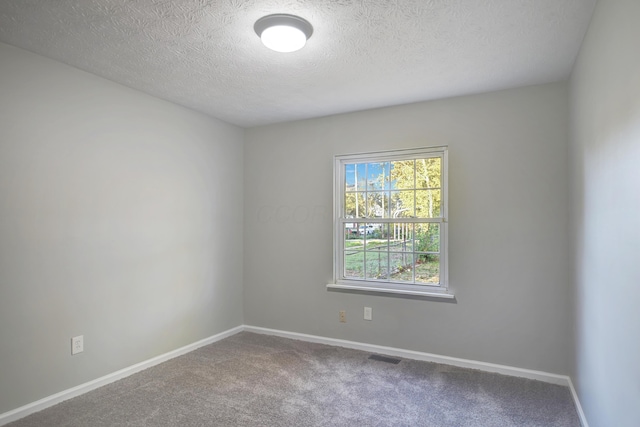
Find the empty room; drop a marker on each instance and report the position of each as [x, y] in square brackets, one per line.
[320, 213]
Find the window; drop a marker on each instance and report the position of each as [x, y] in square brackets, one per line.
[391, 222]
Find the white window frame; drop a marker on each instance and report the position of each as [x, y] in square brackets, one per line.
[440, 290]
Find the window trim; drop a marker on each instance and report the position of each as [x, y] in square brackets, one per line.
[367, 285]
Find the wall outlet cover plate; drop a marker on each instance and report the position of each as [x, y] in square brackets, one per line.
[77, 344]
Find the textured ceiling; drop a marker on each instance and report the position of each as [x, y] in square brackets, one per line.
[363, 54]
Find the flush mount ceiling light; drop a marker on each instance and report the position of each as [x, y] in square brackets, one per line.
[283, 33]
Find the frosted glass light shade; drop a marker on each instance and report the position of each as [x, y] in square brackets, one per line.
[283, 33]
[282, 38]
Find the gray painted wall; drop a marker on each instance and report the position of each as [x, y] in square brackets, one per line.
[120, 219]
[509, 239]
[605, 102]
[114, 223]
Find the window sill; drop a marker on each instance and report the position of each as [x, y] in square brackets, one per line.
[377, 289]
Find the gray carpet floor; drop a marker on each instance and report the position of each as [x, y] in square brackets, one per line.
[258, 380]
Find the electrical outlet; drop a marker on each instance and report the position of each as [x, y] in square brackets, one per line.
[367, 313]
[343, 316]
[77, 344]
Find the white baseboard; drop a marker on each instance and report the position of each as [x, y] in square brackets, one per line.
[576, 401]
[563, 380]
[48, 401]
[417, 355]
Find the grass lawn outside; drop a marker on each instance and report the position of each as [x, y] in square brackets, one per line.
[397, 265]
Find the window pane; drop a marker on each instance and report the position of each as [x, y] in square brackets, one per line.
[376, 176]
[402, 204]
[386, 171]
[387, 205]
[377, 265]
[428, 172]
[427, 238]
[428, 269]
[401, 237]
[428, 203]
[402, 174]
[350, 177]
[377, 205]
[364, 230]
[352, 241]
[350, 230]
[377, 237]
[354, 205]
[353, 264]
[355, 177]
[401, 267]
[361, 176]
[385, 231]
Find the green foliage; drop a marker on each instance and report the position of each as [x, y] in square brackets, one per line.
[423, 175]
[377, 234]
[427, 239]
[407, 188]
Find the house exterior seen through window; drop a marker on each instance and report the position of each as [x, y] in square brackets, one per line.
[390, 216]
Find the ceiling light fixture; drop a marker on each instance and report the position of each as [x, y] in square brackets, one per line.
[283, 33]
